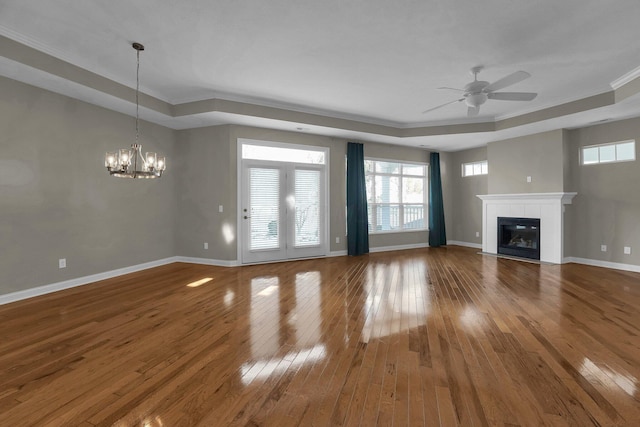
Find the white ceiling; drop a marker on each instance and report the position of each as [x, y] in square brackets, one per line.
[369, 61]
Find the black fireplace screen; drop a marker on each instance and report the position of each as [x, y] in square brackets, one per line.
[519, 237]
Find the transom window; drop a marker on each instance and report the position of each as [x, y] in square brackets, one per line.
[475, 168]
[622, 151]
[282, 154]
[396, 195]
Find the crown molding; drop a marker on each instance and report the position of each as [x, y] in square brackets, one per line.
[623, 80]
[75, 60]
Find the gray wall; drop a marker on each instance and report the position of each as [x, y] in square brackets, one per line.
[467, 208]
[206, 163]
[57, 199]
[606, 210]
[539, 156]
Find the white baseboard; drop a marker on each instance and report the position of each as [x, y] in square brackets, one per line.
[72, 283]
[338, 253]
[398, 247]
[465, 244]
[607, 264]
[208, 261]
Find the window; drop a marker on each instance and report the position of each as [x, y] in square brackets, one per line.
[396, 195]
[475, 168]
[282, 154]
[622, 151]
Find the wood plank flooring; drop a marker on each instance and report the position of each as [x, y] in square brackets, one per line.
[429, 337]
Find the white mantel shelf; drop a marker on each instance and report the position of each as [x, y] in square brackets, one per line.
[548, 207]
[565, 198]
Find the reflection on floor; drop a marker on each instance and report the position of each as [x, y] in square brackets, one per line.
[423, 337]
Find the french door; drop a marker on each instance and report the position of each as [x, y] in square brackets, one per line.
[283, 208]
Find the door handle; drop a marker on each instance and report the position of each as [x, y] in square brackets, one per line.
[246, 217]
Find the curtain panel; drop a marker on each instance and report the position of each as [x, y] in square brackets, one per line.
[357, 217]
[437, 232]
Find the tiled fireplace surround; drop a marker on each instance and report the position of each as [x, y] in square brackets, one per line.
[549, 207]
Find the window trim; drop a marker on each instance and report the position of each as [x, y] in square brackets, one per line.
[607, 144]
[462, 167]
[401, 205]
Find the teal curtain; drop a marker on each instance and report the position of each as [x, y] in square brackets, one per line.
[437, 232]
[357, 218]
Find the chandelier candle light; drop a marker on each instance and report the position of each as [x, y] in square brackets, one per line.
[129, 162]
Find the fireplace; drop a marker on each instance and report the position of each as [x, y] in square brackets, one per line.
[549, 207]
[519, 237]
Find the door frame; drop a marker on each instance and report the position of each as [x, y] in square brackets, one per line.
[239, 192]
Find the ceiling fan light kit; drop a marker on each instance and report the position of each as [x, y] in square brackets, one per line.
[478, 92]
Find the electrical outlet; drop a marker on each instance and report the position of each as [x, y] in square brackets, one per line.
[220, 209]
[337, 240]
[528, 179]
[477, 234]
[62, 263]
[206, 245]
[603, 248]
[627, 250]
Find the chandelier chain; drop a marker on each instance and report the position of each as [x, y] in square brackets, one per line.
[137, 91]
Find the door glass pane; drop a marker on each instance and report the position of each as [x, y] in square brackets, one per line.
[264, 191]
[307, 209]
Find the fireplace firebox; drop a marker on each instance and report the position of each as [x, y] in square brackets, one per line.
[519, 237]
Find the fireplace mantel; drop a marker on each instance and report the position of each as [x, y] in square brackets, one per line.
[548, 207]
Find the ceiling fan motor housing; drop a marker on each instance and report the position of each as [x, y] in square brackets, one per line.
[475, 100]
[474, 96]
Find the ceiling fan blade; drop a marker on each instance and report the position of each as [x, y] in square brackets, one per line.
[512, 96]
[451, 88]
[473, 111]
[443, 105]
[509, 80]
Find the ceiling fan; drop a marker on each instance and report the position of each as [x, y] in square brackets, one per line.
[477, 92]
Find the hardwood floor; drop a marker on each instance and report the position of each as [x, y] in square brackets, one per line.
[424, 337]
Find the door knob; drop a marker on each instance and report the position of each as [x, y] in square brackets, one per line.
[246, 217]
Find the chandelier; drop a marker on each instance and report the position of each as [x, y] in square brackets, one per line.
[129, 162]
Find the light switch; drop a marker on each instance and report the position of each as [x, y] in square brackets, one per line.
[528, 179]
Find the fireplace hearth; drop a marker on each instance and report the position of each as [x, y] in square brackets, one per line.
[519, 237]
